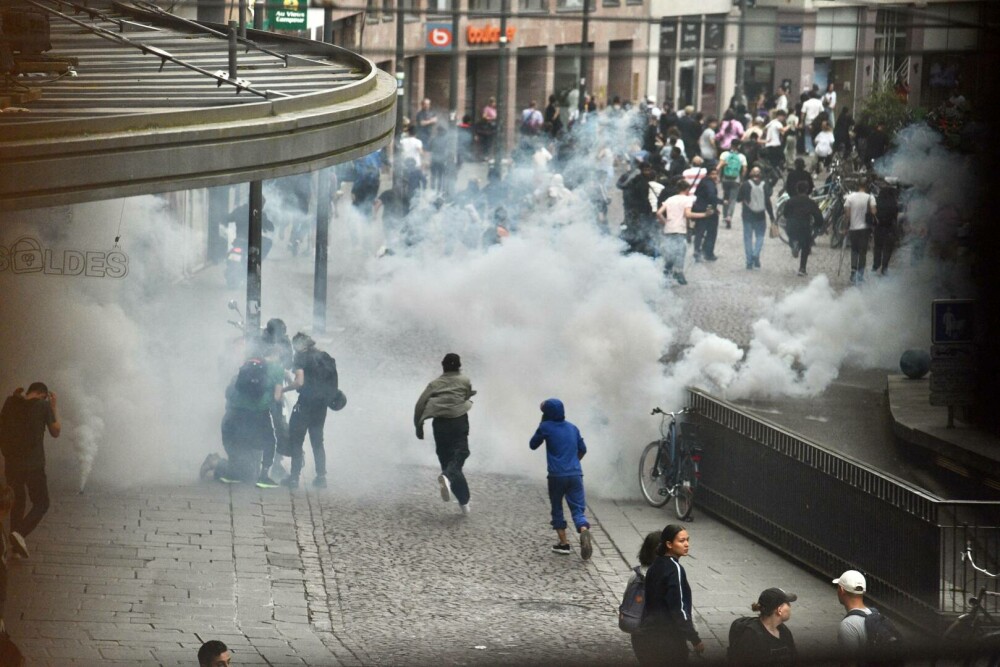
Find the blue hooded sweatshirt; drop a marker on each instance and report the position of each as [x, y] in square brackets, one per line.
[564, 447]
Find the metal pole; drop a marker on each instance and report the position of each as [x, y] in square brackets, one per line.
[584, 50]
[740, 93]
[400, 80]
[500, 136]
[243, 19]
[258, 15]
[232, 50]
[328, 24]
[453, 79]
[254, 238]
[322, 250]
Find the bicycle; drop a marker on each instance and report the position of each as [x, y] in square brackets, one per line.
[830, 199]
[977, 629]
[668, 467]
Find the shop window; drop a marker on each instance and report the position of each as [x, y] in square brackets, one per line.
[573, 5]
[371, 12]
[533, 5]
[611, 3]
[484, 6]
[440, 7]
[409, 8]
[388, 10]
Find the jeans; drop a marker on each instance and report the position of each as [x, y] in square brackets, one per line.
[280, 440]
[570, 488]
[859, 251]
[27, 484]
[730, 186]
[451, 442]
[809, 141]
[754, 227]
[307, 416]
[705, 232]
[673, 247]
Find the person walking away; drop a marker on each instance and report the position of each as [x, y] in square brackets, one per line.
[646, 556]
[553, 117]
[734, 170]
[842, 131]
[764, 639]
[24, 419]
[440, 154]
[667, 620]
[426, 120]
[706, 142]
[675, 215]
[564, 449]
[729, 130]
[802, 218]
[486, 128]
[857, 207]
[886, 224]
[317, 382]
[824, 142]
[707, 201]
[445, 400]
[876, 143]
[863, 632]
[774, 138]
[690, 131]
[811, 109]
[830, 103]
[755, 196]
[792, 123]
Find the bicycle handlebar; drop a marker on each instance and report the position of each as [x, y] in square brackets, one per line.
[682, 411]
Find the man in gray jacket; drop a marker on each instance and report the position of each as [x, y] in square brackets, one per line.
[446, 401]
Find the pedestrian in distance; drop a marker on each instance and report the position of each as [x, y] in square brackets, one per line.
[886, 228]
[317, 382]
[707, 202]
[764, 639]
[802, 218]
[214, 653]
[564, 449]
[667, 622]
[446, 401]
[755, 196]
[734, 170]
[859, 209]
[24, 419]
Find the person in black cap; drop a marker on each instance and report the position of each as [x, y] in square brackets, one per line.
[764, 640]
[446, 401]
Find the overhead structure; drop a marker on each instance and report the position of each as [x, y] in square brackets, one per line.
[132, 100]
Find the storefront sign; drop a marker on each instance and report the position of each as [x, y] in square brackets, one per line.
[26, 255]
[292, 16]
[488, 34]
[439, 37]
[790, 34]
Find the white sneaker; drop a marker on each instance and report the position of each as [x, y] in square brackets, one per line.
[465, 508]
[19, 547]
[445, 487]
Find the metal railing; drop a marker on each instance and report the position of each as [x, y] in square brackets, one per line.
[833, 513]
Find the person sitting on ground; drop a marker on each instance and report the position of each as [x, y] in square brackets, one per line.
[764, 640]
[214, 653]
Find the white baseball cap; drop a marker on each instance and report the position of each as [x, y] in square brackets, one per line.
[852, 581]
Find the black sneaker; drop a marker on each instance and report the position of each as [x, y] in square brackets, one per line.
[711, 258]
[290, 482]
[802, 272]
[320, 482]
[681, 280]
[586, 544]
[756, 262]
[21, 549]
[561, 549]
[265, 482]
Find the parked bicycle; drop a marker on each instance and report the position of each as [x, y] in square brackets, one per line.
[977, 628]
[668, 467]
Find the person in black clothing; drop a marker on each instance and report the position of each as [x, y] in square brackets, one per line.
[278, 348]
[309, 413]
[677, 164]
[649, 137]
[634, 185]
[668, 118]
[842, 131]
[799, 175]
[553, 117]
[23, 421]
[667, 625]
[876, 143]
[802, 218]
[764, 640]
[884, 234]
[690, 130]
[707, 200]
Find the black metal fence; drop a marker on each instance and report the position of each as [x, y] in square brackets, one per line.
[833, 513]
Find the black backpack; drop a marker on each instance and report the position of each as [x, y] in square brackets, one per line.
[251, 381]
[736, 630]
[883, 637]
[633, 602]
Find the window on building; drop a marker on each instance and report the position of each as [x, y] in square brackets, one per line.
[371, 11]
[440, 7]
[573, 5]
[533, 5]
[409, 8]
[611, 3]
[388, 10]
[891, 61]
[484, 6]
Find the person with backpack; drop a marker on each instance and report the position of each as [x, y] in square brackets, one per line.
[764, 639]
[734, 170]
[634, 599]
[863, 632]
[755, 196]
[247, 430]
[667, 622]
[316, 380]
[564, 449]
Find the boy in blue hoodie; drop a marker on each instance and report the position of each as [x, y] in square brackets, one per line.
[564, 447]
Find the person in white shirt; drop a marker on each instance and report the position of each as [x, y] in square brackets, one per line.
[674, 215]
[824, 145]
[706, 143]
[857, 206]
[411, 148]
[791, 137]
[830, 103]
[811, 109]
[781, 100]
[774, 135]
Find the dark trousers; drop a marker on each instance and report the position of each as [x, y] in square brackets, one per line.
[659, 646]
[570, 488]
[885, 241]
[705, 232]
[27, 484]
[800, 235]
[859, 251]
[245, 434]
[307, 416]
[451, 441]
[280, 436]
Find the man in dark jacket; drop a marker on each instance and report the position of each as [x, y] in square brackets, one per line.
[564, 448]
[690, 130]
[316, 381]
[802, 218]
[798, 175]
[23, 421]
[707, 201]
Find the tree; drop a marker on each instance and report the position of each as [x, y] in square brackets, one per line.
[885, 105]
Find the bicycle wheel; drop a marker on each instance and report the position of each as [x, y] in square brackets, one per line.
[684, 496]
[652, 481]
[961, 630]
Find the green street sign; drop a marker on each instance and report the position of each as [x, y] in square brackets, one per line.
[289, 15]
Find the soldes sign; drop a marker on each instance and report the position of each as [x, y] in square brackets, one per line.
[488, 34]
[26, 255]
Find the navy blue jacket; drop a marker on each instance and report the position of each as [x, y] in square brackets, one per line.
[564, 446]
[668, 601]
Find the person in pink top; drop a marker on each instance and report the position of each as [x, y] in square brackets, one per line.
[674, 214]
[487, 127]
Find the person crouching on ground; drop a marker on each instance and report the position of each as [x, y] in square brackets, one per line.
[446, 401]
[764, 640]
[564, 448]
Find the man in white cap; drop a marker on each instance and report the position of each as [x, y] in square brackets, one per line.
[851, 635]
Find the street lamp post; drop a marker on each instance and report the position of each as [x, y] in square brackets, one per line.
[740, 93]
[498, 140]
[400, 81]
[584, 50]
